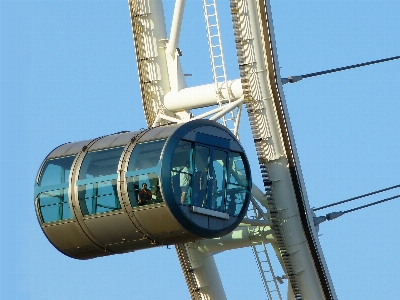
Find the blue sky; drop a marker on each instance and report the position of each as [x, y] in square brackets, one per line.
[68, 73]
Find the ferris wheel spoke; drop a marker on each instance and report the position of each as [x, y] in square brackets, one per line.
[275, 148]
[280, 215]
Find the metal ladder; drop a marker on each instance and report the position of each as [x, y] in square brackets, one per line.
[267, 273]
[259, 125]
[261, 255]
[218, 63]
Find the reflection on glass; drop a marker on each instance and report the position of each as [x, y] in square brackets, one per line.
[100, 163]
[237, 184]
[181, 172]
[97, 183]
[56, 171]
[146, 155]
[98, 197]
[54, 206]
[144, 190]
[52, 190]
[210, 177]
[142, 176]
[200, 182]
[218, 179]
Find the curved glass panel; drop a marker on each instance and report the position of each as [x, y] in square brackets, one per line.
[143, 174]
[200, 178]
[217, 177]
[97, 182]
[238, 184]
[209, 177]
[181, 172]
[54, 206]
[146, 155]
[144, 189]
[52, 190]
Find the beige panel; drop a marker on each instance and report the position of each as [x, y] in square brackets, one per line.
[77, 147]
[157, 220]
[69, 239]
[111, 228]
[129, 246]
[68, 149]
[124, 139]
[159, 133]
[87, 252]
[60, 151]
[104, 142]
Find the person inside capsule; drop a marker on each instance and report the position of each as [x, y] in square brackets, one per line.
[144, 195]
[156, 193]
[184, 181]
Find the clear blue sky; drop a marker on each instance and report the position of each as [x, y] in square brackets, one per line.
[68, 73]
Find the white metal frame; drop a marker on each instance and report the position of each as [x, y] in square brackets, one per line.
[163, 88]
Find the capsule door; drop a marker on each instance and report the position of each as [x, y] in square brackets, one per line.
[209, 184]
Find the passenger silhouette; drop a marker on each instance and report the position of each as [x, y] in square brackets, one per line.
[144, 195]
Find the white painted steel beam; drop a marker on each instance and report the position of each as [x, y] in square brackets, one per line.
[176, 27]
[176, 76]
[207, 276]
[227, 108]
[243, 236]
[200, 96]
[166, 97]
[271, 126]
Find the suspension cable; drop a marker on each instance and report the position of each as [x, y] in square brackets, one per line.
[350, 67]
[358, 197]
[337, 214]
[293, 79]
[373, 203]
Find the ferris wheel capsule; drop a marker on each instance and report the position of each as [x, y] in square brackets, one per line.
[136, 190]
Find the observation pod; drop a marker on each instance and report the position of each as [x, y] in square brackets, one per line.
[135, 190]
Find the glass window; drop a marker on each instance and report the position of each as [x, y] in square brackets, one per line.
[146, 155]
[144, 190]
[200, 179]
[56, 171]
[217, 177]
[54, 206]
[52, 190]
[97, 183]
[100, 163]
[237, 189]
[181, 172]
[209, 177]
[142, 176]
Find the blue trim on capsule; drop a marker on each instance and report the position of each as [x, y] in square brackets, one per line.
[169, 198]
